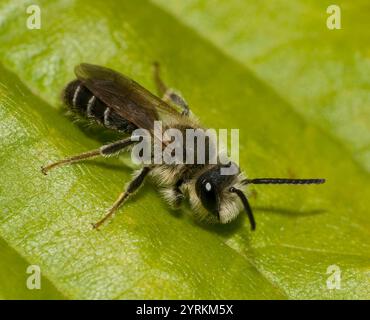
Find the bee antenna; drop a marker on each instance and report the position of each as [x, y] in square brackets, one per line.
[282, 181]
[246, 205]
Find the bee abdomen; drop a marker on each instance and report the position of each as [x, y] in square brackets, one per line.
[82, 101]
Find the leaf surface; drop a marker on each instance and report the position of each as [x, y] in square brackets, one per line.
[148, 251]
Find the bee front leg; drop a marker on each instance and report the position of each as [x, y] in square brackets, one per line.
[179, 196]
[132, 187]
[178, 200]
[174, 195]
[168, 94]
[105, 150]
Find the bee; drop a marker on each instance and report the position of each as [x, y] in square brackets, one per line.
[121, 104]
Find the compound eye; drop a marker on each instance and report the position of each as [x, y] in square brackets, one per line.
[208, 195]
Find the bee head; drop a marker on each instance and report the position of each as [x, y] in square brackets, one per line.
[213, 193]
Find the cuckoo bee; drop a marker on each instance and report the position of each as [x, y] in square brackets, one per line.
[119, 103]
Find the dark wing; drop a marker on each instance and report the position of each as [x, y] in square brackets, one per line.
[126, 97]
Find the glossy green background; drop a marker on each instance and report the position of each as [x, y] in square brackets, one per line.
[299, 94]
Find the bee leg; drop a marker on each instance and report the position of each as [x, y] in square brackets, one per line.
[174, 97]
[132, 187]
[179, 196]
[177, 200]
[105, 150]
[169, 95]
[174, 198]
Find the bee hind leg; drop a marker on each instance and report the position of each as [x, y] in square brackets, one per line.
[105, 150]
[169, 95]
[132, 187]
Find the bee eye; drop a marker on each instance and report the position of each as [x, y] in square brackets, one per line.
[207, 194]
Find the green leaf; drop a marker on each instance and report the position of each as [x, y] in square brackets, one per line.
[148, 251]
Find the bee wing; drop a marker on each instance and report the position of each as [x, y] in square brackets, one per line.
[125, 96]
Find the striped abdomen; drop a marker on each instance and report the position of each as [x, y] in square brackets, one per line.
[81, 100]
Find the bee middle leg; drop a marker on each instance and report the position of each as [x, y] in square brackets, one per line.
[106, 150]
[132, 187]
[168, 94]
